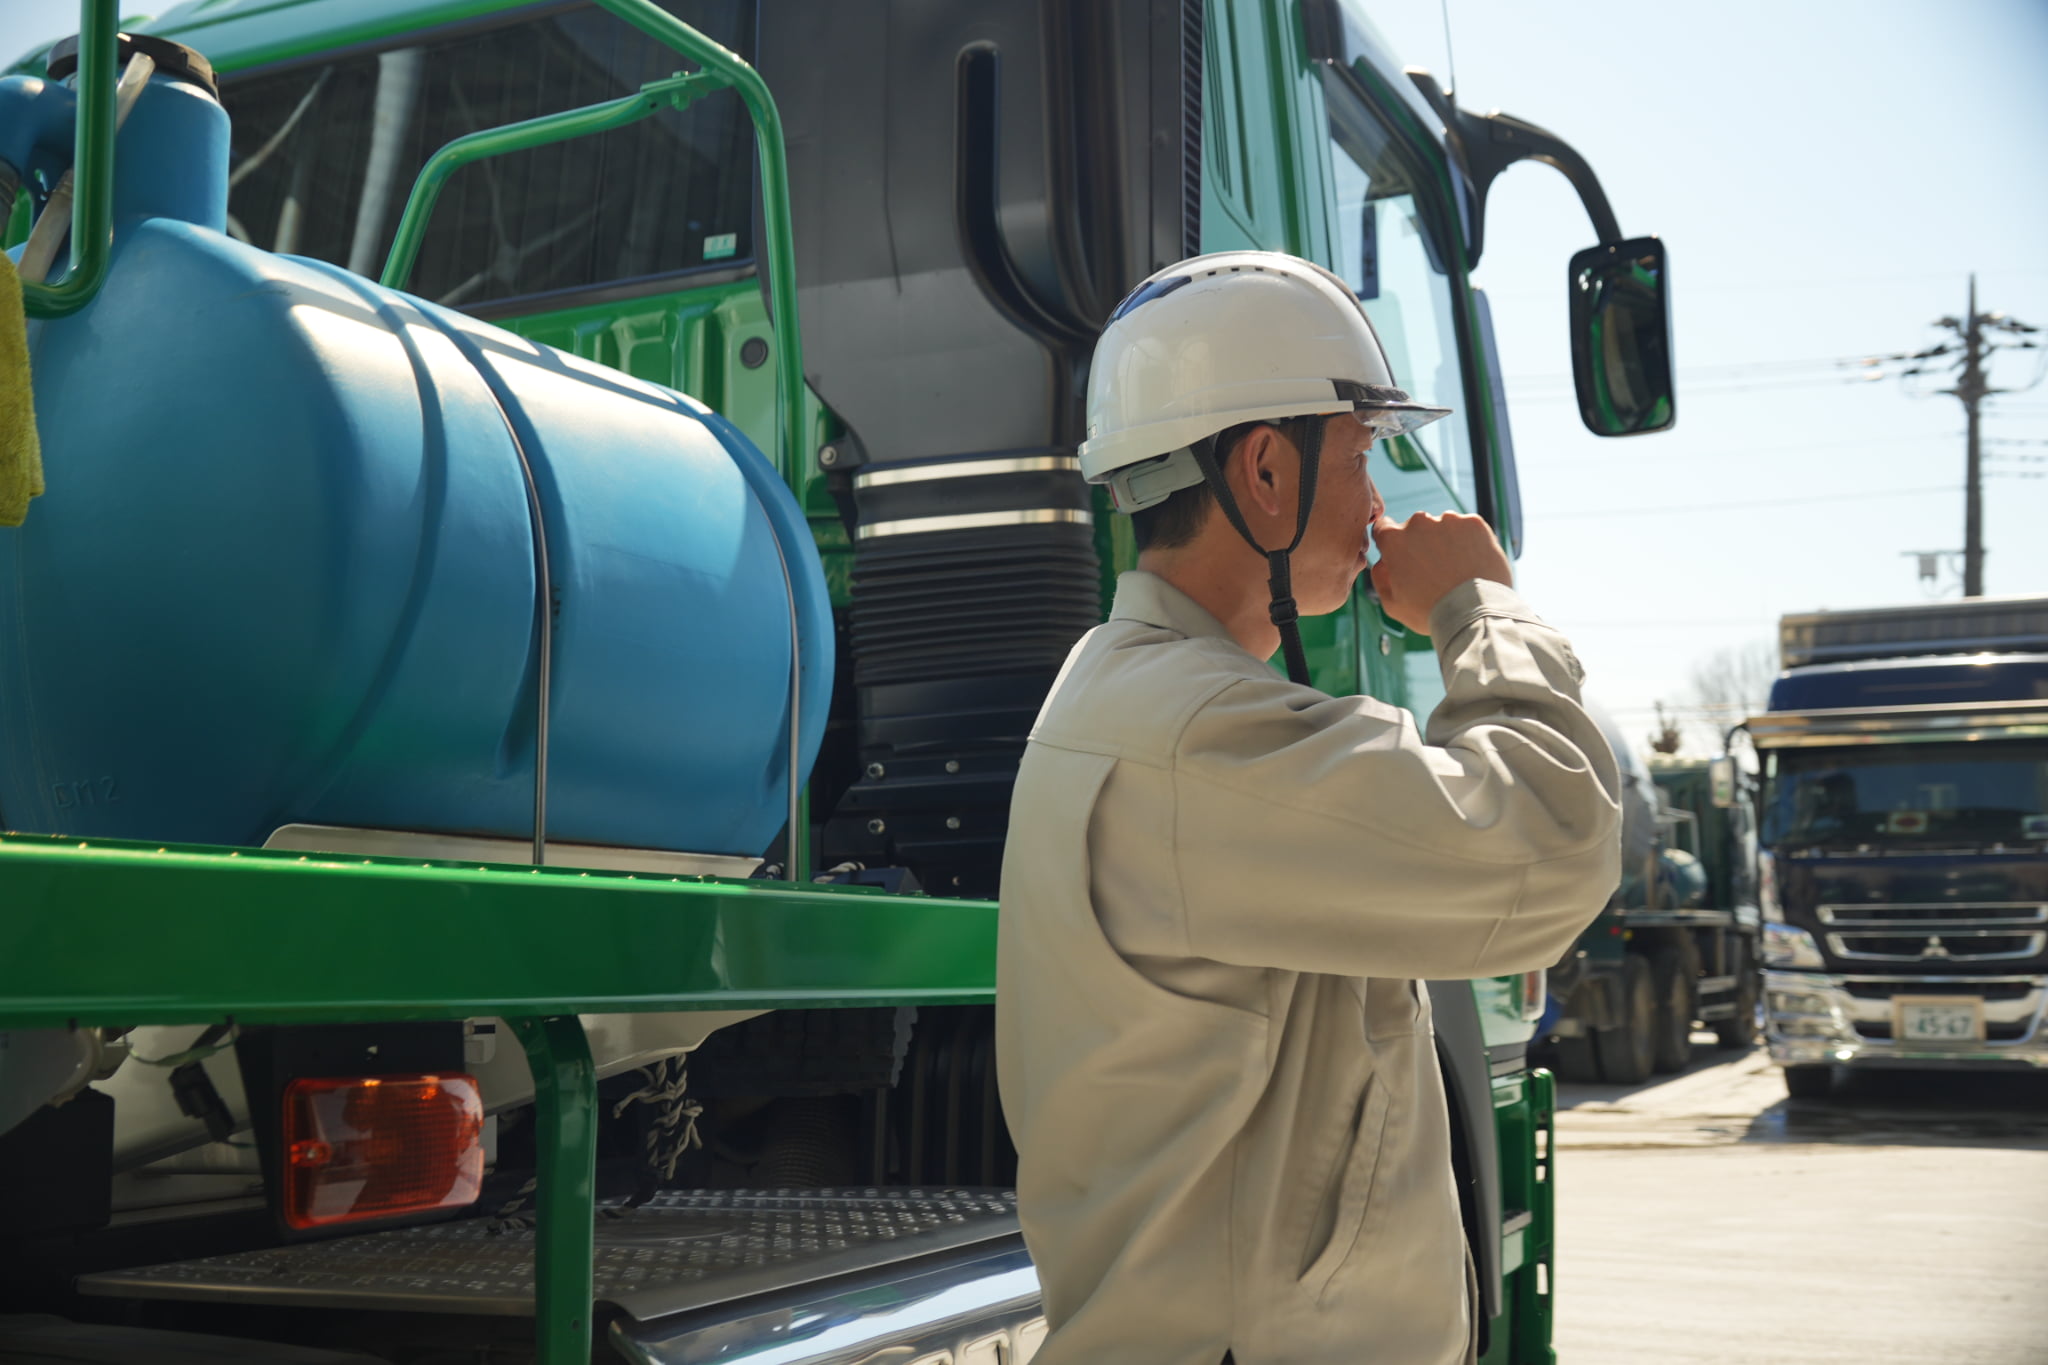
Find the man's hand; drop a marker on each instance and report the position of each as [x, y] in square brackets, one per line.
[1426, 556]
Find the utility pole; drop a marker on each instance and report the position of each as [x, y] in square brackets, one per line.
[1971, 345]
[1970, 388]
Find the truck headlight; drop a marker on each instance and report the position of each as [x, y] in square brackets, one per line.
[1789, 947]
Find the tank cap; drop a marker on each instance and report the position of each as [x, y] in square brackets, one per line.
[172, 59]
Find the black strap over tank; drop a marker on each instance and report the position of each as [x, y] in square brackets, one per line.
[1282, 610]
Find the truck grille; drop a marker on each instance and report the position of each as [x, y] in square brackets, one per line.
[1967, 915]
[1950, 945]
[1886, 988]
[2012, 1004]
[1994, 1031]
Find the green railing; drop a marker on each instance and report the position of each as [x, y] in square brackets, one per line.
[106, 934]
[92, 170]
[720, 69]
[676, 92]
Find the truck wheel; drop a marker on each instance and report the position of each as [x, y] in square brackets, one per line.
[1628, 1051]
[1671, 1037]
[1811, 1082]
[1576, 1060]
[1742, 1029]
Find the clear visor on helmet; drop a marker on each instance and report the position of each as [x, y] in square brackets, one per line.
[1150, 482]
[1390, 412]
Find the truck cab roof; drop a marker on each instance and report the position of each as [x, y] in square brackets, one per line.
[1954, 678]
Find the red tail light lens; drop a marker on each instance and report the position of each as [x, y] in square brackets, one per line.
[376, 1146]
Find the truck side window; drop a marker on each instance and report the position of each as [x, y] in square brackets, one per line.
[1389, 250]
[326, 152]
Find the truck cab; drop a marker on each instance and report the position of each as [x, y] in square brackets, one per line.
[1905, 827]
[1676, 947]
[971, 190]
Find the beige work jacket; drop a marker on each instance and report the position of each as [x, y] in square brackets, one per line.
[1219, 892]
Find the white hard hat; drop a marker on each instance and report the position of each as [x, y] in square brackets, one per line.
[1216, 340]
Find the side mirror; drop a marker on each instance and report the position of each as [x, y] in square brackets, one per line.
[1721, 781]
[1621, 338]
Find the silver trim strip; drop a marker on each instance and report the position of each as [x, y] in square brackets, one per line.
[966, 469]
[974, 521]
[1919, 724]
[1878, 916]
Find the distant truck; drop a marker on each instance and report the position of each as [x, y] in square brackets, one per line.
[1677, 945]
[1905, 825]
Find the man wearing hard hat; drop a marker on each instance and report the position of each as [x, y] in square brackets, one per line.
[1222, 886]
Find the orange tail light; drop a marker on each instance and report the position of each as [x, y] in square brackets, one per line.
[361, 1147]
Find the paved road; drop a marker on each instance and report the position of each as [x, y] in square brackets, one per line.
[1707, 1218]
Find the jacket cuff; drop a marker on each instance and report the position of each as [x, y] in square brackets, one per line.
[1472, 600]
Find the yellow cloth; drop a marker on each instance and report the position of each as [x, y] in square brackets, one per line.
[21, 454]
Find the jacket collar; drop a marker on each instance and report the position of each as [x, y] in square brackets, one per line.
[1147, 597]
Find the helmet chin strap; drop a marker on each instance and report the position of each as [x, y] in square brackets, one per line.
[1279, 575]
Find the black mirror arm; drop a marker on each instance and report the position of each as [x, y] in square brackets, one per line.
[1487, 144]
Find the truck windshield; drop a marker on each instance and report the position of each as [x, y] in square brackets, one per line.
[1391, 250]
[1924, 796]
[325, 153]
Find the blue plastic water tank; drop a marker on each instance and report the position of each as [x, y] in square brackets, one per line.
[284, 571]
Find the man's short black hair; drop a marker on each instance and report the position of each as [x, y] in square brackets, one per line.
[1173, 523]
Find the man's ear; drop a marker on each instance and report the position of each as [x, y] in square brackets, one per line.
[1258, 459]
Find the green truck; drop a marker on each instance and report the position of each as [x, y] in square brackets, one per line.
[320, 1086]
[1677, 946]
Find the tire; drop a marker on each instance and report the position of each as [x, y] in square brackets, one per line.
[1810, 1082]
[1671, 1035]
[1628, 1053]
[1577, 1061]
[1741, 1030]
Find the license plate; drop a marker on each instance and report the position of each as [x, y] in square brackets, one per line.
[1937, 1018]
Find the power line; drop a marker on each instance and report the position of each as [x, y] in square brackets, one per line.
[1734, 370]
[1704, 388]
[1757, 284]
[1609, 457]
[1695, 391]
[1691, 508]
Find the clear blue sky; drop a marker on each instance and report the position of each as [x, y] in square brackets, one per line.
[1826, 174]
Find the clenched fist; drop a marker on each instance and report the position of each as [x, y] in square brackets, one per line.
[1426, 556]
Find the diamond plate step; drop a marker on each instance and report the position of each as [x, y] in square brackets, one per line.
[684, 1249]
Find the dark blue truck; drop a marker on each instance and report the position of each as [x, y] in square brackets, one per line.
[1905, 823]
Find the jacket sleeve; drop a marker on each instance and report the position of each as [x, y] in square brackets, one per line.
[1324, 834]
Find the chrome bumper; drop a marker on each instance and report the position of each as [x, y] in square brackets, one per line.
[1814, 1017]
[978, 1307]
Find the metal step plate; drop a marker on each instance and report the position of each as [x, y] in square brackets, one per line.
[684, 1249]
